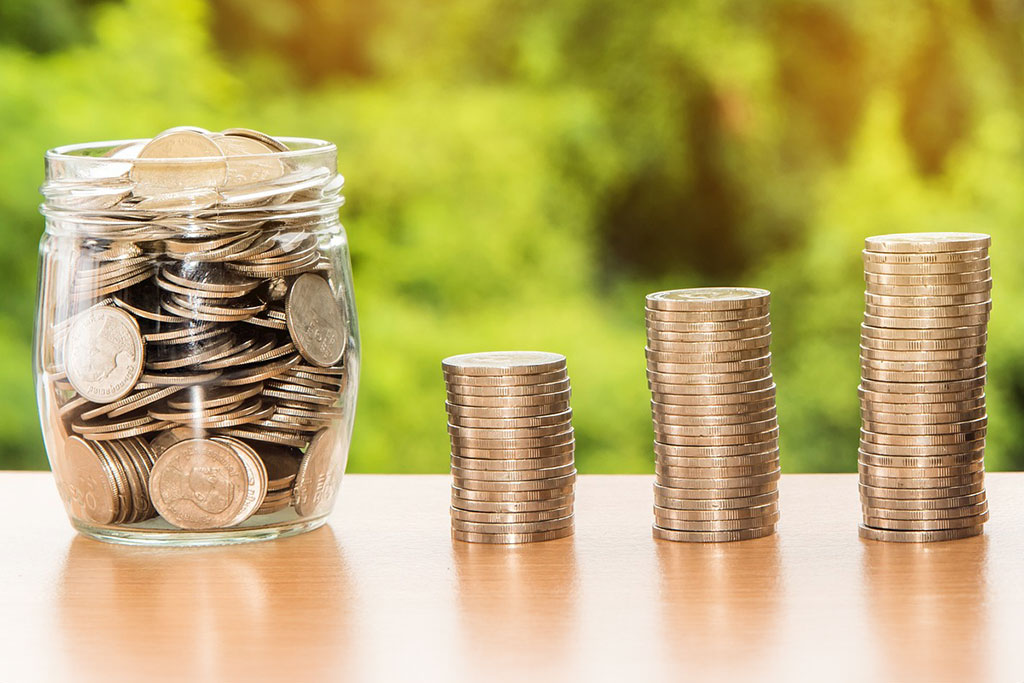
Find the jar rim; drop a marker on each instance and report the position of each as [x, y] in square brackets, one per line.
[299, 147]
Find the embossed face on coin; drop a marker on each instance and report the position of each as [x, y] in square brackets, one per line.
[315, 321]
[319, 474]
[199, 484]
[86, 484]
[104, 354]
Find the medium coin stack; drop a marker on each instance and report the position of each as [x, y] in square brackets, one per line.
[196, 321]
[713, 406]
[922, 390]
[512, 446]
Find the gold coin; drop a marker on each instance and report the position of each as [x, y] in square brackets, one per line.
[924, 525]
[925, 323]
[508, 391]
[957, 512]
[928, 280]
[768, 436]
[534, 537]
[969, 255]
[708, 298]
[938, 366]
[669, 498]
[962, 353]
[943, 388]
[452, 378]
[705, 327]
[746, 513]
[514, 453]
[925, 268]
[928, 242]
[510, 517]
[742, 344]
[553, 399]
[724, 451]
[723, 315]
[461, 473]
[662, 391]
[949, 504]
[511, 464]
[462, 525]
[504, 363]
[712, 430]
[684, 414]
[704, 482]
[460, 494]
[670, 340]
[920, 344]
[457, 412]
[714, 493]
[513, 506]
[928, 301]
[682, 403]
[562, 418]
[704, 356]
[668, 419]
[675, 524]
[712, 536]
[918, 536]
[918, 494]
[769, 458]
[687, 369]
[928, 401]
[663, 469]
[923, 418]
[939, 461]
[521, 485]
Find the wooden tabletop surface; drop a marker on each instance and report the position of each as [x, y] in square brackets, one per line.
[384, 594]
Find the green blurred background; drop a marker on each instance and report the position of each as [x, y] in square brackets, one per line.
[520, 173]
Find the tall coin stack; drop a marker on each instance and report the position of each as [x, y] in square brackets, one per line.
[512, 443]
[922, 391]
[713, 406]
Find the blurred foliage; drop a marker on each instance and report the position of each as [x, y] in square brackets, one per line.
[522, 173]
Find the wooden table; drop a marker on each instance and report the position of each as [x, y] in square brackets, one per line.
[384, 594]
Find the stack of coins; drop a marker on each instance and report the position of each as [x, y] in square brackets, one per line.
[512, 446]
[210, 317]
[922, 391]
[713, 406]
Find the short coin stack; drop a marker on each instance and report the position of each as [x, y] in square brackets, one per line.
[716, 434]
[512, 445]
[922, 390]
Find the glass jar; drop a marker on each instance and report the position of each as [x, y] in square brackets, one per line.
[196, 346]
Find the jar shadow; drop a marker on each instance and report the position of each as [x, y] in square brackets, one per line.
[217, 614]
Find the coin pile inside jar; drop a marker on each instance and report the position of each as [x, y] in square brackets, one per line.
[713, 407]
[922, 390]
[512, 446]
[199, 361]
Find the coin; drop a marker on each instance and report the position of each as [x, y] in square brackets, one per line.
[711, 315]
[675, 524]
[453, 378]
[712, 536]
[315, 320]
[461, 473]
[708, 298]
[200, 484]
[510, 517]
[891, 536]
[925, 257]
[513, 506]
[504, 363]
[559, 418]
[104, 354]
[508, 391]
[960, 511]
[86, 483]
[552, 400]
[319, 474]
[509, 538]
[461, 525]
[511, 464]
[667, 498]
[917, 242]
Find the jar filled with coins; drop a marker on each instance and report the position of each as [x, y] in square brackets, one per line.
[196, 348]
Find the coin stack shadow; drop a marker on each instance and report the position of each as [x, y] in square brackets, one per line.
[713, 407]
[922, 391]
[512, 446]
